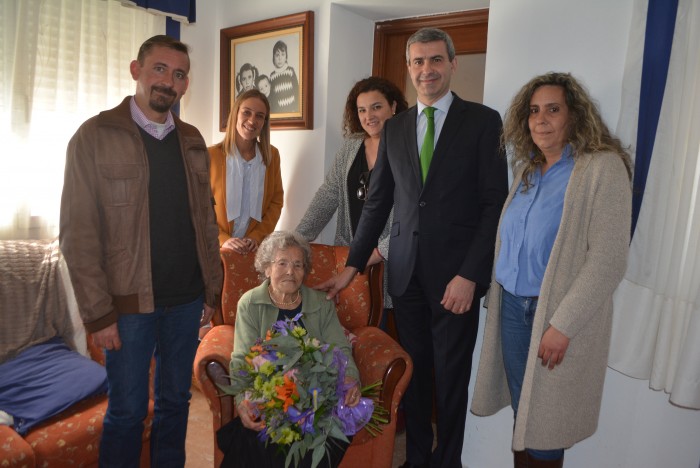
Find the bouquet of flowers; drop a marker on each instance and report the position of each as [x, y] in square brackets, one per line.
[297, 385]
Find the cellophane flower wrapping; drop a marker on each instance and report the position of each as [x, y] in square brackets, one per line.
[297, 385]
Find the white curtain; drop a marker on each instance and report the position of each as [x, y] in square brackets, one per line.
[62, 61]
[656, 327]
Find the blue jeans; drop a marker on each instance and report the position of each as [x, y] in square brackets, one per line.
[169, 333]
[517, 314]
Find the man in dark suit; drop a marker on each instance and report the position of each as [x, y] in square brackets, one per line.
[447, 200]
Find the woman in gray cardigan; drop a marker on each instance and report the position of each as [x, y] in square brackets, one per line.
[370, 103]
[561, 251]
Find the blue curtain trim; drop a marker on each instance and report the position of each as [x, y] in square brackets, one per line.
[658, 40]
[181, 10]
[172, 29]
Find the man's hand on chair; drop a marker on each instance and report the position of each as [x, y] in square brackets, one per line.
[339, 282]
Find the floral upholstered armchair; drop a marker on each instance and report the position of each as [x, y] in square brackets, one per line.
[71, 438]
[34, 310]
[377, 355]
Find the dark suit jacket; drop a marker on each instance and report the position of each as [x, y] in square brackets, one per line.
[449, 225]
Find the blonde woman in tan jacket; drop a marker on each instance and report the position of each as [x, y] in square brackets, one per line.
[245, 175]
[561, 251]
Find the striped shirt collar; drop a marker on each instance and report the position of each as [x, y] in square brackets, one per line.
[155, 129]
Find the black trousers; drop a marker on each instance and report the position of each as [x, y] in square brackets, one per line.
[441, 342]
[242, 449]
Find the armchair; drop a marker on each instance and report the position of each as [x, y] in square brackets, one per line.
[378, 356]
[33, 309]
[71, 438]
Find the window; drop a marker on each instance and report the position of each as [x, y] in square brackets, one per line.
[62, 61]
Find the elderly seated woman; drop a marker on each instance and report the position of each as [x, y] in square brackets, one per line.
[284, 260]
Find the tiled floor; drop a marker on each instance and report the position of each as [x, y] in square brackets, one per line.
[200, 438]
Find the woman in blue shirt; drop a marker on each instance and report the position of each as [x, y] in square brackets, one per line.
[561, 251]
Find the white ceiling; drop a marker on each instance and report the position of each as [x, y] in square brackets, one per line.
[380, 10]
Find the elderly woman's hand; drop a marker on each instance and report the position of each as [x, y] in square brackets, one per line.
[249, 416]
[352, 396]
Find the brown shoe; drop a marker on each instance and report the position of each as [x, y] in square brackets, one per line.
[520, 459]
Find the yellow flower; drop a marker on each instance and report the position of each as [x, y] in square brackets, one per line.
[287, 436]
[267, 369]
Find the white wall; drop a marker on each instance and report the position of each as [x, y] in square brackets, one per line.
[638, 427]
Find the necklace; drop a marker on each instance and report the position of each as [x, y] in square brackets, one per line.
[282, 303]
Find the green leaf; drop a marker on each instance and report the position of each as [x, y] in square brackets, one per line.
[292, 360]
[317, 456]
[338, 434]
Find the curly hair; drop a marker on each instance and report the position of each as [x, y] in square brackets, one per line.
[587, 131]
[231, 135]
[351, 121]
[281, 240]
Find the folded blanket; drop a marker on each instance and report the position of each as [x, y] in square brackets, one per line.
[33, 305]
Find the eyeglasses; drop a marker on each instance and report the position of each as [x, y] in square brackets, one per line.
[364, 182]
[283, 264]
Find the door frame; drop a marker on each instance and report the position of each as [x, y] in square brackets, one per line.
[468, 29]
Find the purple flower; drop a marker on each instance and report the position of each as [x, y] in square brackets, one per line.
[283, 327]
[304, 419]
[307, 424]
[258, 361]
[263, 435]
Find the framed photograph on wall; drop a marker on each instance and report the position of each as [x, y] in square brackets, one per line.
[276, 57]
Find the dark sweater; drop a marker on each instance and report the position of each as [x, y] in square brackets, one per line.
[176, 275]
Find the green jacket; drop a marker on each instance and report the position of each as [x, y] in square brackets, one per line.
[256, 314]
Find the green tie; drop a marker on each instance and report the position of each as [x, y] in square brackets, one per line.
[426, 151]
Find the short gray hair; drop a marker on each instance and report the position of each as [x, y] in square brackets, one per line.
[281, 240]
[431, 35]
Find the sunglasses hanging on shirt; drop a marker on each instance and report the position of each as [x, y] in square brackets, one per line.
[363, 189]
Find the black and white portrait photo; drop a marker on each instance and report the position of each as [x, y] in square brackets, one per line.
[270, 62]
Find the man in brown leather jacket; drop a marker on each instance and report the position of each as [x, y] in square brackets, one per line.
[139, 236]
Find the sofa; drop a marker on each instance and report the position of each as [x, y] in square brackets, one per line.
[35, 308]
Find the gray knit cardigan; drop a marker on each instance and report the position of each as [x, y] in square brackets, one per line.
[332, 196]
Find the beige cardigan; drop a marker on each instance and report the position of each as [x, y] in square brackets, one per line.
[560, 407]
